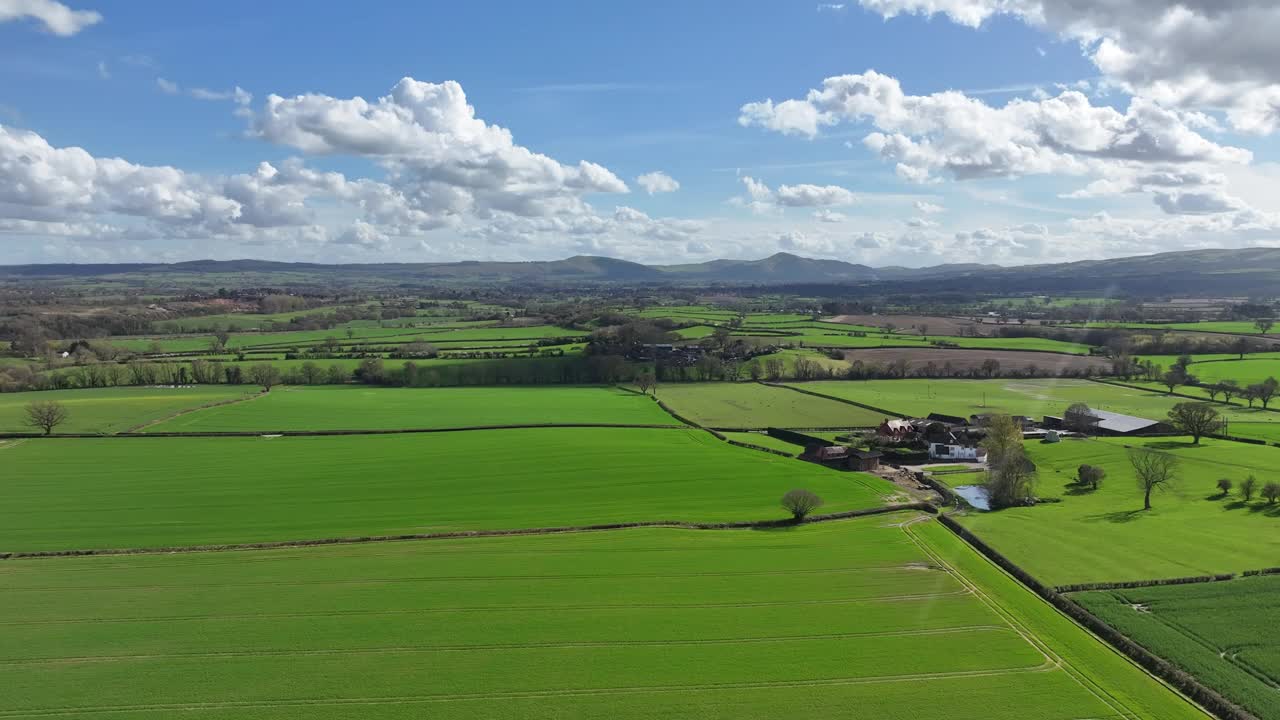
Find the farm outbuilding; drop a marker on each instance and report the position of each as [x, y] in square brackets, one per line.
[1110, 423]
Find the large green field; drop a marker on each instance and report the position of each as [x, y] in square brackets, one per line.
[1033, 398]
[1235, 327]
[355, 407]
[110, 410]
[130, 492]
[1105, 536]
[1226, 633]
[859, 617]
[751, 405]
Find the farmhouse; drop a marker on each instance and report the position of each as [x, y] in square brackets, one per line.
[945, 451]
[1110, 423]
[895, 429]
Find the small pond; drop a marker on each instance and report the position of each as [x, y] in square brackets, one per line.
[975, 495]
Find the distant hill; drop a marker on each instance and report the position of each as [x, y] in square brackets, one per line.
[1233, 272]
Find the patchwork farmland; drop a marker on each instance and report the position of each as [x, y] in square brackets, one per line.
[510, 518]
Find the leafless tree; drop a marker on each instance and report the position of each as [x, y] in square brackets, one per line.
[1248, 487]
[1195, 419]
[1266, 390]
[1264, 325]
[1153, 470]
[46, 415]
[1271, 491]
[1080, 418]
[800, 503]
[1090, 475]
[265, 374]
[644, 381]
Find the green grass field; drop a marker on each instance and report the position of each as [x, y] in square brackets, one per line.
[751, 405]
[355, 407]
[1105, 536]
[1235, 327]
[893, 622]
[763, 440]
[130, 492]
[1226, 633]
[1252, 369]
[110, 410]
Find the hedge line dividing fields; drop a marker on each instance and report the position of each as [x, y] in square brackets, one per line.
[630, 624]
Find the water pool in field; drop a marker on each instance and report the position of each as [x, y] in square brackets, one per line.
[975, 495]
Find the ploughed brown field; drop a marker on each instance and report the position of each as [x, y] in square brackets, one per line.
[968, 359]
[910, 324]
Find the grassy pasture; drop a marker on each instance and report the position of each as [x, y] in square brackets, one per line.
[354, 407]
[109, 410]
[750, 405]
[1226, 633]
[768, 441]
[633, 624]
[1105, 536]
[130, 492]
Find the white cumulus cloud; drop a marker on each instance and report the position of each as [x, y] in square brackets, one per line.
[54, 16]
[657, 182]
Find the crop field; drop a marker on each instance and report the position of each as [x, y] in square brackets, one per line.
[1226, 633]
[865, 614]
[1106, 536]
[136, 492]
[751, 405]
[110, 410]
[354, 407]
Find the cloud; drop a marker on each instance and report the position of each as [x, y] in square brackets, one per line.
[831, 7]
[167, 86]
[953, 133]
[362, 234]
[948, 134]
[927, 207]
[657, 182]
[761, 199]
[56, 17]
[921, 223]
[1192, 53]
[435, 150]
[829, 216]
[103, 72]
[237, 94]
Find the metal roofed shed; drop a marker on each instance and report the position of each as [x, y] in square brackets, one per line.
[1111, 423]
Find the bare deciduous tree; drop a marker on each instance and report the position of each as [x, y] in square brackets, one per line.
[644, 381]
[265, 374]
[1224, 485]
[1153, 470]
[1248, 487]
[1264, 325]
[1195, 419]
[46, 415]
[1090, 475]
[1271, 491]
[800, 503]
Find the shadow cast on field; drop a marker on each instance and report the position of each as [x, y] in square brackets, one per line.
[1077, 489]
[1119, 516]
[1171, 445]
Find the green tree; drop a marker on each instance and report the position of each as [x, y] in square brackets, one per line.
[1248, 487]
[800, 503]
[1224, 485]
[1196, 419]
[1090, 475]
[1010, 476]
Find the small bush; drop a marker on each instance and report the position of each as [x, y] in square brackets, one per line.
[800, 503]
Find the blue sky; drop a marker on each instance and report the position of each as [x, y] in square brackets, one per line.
[1098, 156]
